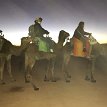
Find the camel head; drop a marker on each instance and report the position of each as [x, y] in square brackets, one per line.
[26, 40]
[63, 35]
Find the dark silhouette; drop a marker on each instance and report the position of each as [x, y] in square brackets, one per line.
[6, 52]
[36, 30]
[80, 34]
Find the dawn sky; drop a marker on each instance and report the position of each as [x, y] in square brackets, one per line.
[17, 15]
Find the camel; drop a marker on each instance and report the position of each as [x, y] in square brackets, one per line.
[59, 51]
[62, 54]
[6, 51]
[96, 50]
[32, 55]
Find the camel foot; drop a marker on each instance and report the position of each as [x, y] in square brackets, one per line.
[93, 81]
[13, 80]
[27, 81]
[87, 78]
[69, 76]
[67, 81]
[46, 80]
[53, 80]
[2, 83]
[36, 89]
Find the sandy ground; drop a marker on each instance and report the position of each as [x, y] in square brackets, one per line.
[77, 93]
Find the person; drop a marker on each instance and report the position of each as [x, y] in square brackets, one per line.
[80, 34]
[80, 38]
[36, 30]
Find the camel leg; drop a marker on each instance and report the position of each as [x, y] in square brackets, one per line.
[9, 67]
[66, 74]
[65, 68]
[51, 66]
[92, 70]
[53, 70]
[88, 73]
[27, 69]
[2, 62]
[47, 72]
[29, 63]
[28, 77]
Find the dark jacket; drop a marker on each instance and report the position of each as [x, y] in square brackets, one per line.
[37, 31]
[79, 33]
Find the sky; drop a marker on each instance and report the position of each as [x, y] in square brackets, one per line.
[17, 15]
